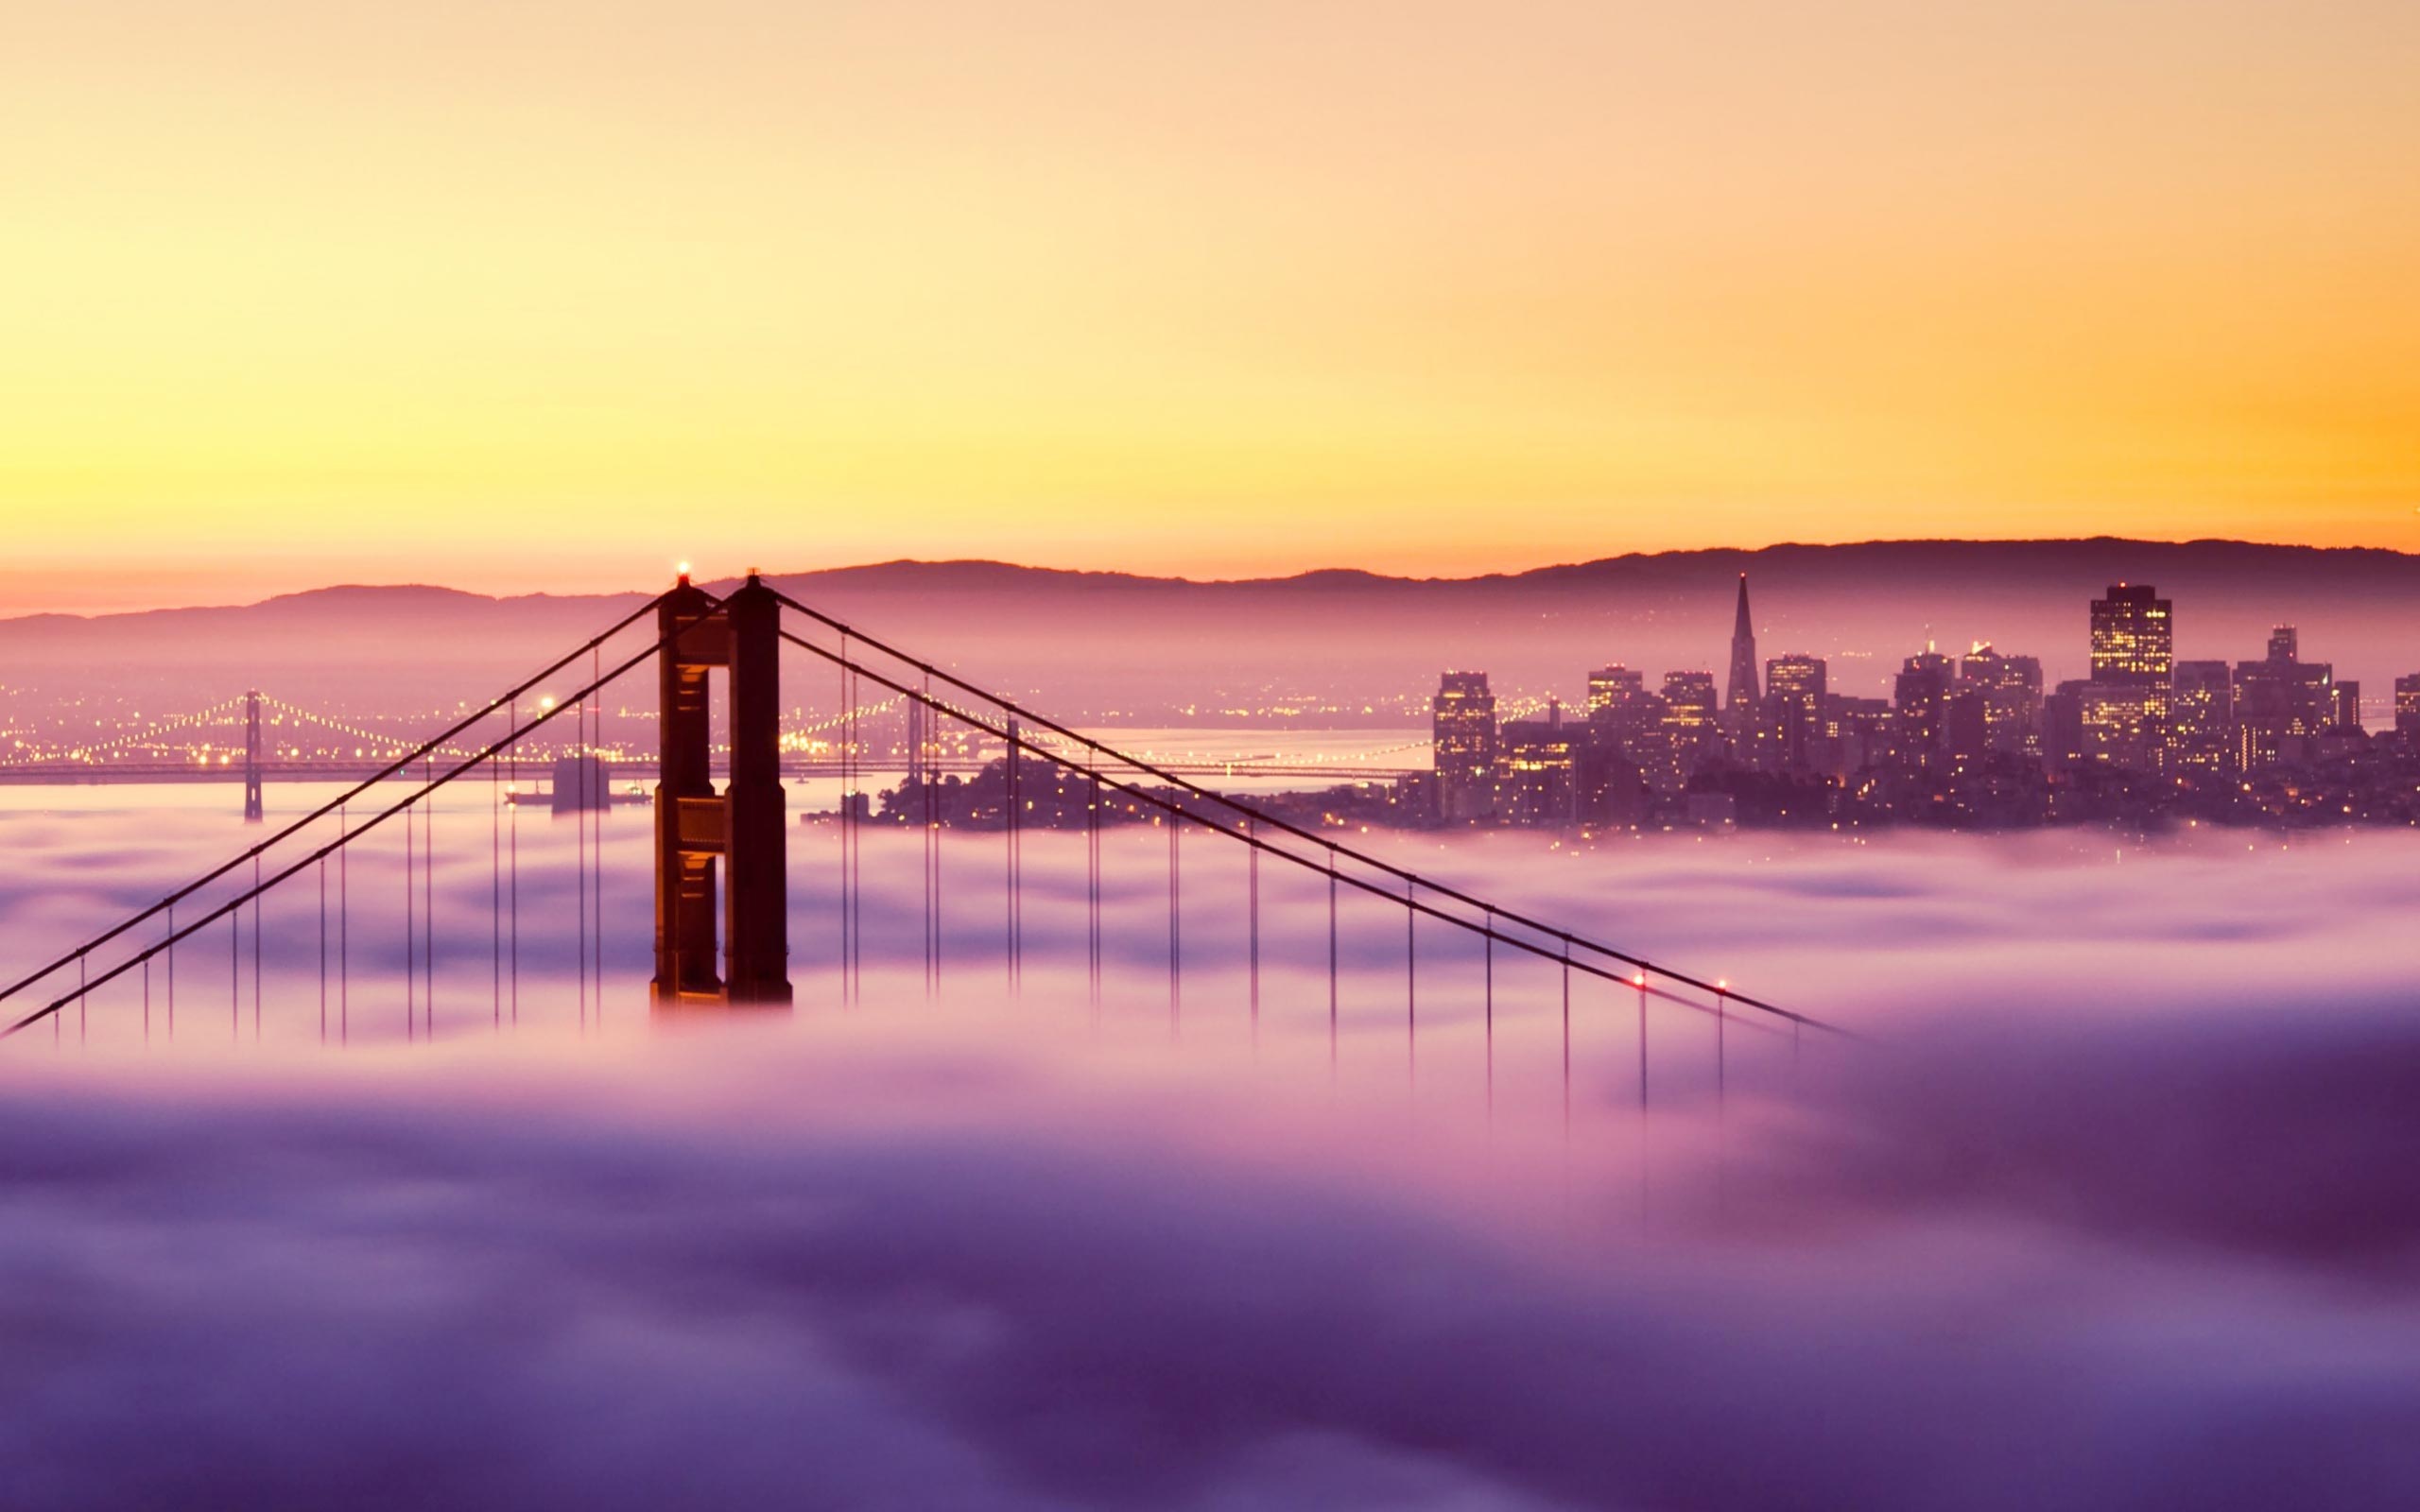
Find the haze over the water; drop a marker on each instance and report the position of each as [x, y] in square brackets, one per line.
[2125, 1166]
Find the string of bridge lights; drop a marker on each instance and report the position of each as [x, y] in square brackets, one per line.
[1046, 740]
[94, 749]
[392, 743]
[800, 733]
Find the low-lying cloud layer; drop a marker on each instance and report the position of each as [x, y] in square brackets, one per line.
[2156, 1246]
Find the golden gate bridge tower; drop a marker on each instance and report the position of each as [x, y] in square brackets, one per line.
[740, 830]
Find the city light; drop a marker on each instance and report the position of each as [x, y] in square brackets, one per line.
[1982, 741]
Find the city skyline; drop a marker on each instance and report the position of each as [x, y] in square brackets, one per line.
[1977, 740]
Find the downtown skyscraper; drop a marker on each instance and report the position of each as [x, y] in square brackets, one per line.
[2133, 674]
[1740, 696]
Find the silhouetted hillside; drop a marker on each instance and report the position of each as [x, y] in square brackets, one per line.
[1117, 643]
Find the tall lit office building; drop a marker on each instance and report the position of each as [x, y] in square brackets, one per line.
[1534, 769]
[1921, 712]
[2134, 638]
[1692, 727]
[1461, 722]
[1794, 690]
[2347, 707]
[1616, 684]
[2063, 725]
[2125, 728]
[1858, 732]
[2133, 667]
[2282, 702]
[2200, 719]
[2011, 689]
[2407, 706]
[1633, 726]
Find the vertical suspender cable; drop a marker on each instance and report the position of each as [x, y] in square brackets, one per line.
[857, 843]
[428, 898]
[1176, 961]
[1410, 982]
[1253, 851]
[1641, 980]
[580, 860]
[842, 809]
[495, 889]
[929, 753]
[1008, 855]
[919, 783]
[1331, 961]
[512, 871]
[1720, 1000]
[344, 929]
[1092, 888]
[601, 793]
[409, 927]
[1566, 1039]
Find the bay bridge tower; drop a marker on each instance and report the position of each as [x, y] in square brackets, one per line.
[739, 831]
[252, 811]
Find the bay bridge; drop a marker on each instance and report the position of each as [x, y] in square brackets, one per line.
[243, 738]
[623, 769]
[722, 870]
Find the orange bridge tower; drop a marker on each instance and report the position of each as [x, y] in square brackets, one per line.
[739, 831]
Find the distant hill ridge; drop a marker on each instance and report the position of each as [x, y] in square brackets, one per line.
[2138, 558]
[1118, 641]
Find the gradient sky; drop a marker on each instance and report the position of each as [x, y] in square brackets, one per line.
[548, 295]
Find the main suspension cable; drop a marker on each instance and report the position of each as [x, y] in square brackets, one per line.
[168, 941]
[1255, 816]
[401, 763]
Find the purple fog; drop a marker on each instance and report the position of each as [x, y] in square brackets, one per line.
[2113, 1201]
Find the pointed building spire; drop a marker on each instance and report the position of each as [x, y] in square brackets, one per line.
[1741, 693]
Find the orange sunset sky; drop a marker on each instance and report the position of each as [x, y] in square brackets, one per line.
[538, 295]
